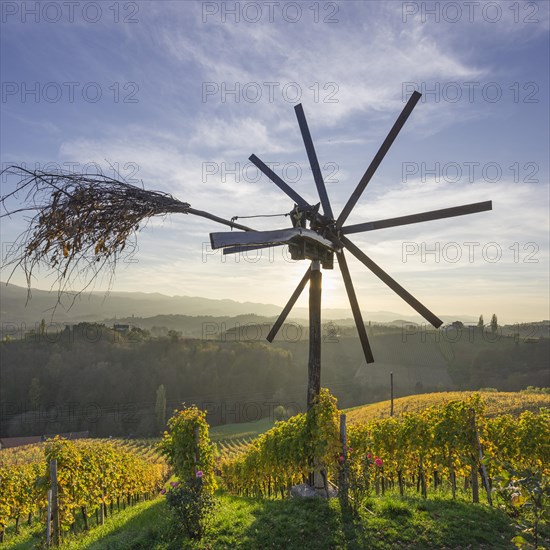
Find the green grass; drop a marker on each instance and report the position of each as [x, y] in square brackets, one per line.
[385, 523]
[130, 528]
[239, 431]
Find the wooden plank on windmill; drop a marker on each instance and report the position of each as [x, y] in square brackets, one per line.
[278, 236]
[422, 217]
[290, 304]
[313, 161]
[378, 158]
[392, 283]
[364, 339]
[279, 182]
[249, 248]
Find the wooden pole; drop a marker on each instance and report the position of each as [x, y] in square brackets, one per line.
[101, 513]
[475, 483]
[391, 393]
[314, 364]
[343, 488]
[196, 453]
[49, 520]
[483, 470]
[55, 503]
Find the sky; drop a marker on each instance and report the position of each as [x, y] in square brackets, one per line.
[175, 96]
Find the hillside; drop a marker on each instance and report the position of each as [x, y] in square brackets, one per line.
[496, 403]
[98, 306]
[385, 519]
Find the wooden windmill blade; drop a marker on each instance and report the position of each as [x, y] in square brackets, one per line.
[355, 308]
[268, 238]
[238, 249]
[313, 161]
[418, 218]
[393, 284]
[279, 182]
[290, 304]
[327, 210]
[384, 148]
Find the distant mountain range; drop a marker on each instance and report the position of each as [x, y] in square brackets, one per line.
[98, 306]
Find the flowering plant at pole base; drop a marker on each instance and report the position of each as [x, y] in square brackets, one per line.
[191, 506]
[187, 447]
[184, 452]
[360, 472]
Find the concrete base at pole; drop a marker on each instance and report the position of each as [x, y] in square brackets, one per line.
[318, 482]
[303, 490]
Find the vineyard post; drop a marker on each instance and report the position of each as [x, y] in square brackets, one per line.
[49, 519]
[475, 480]
[343, 489]
[484, 476]
[55, 502]
[196, 456]
[101, 512]
[391, 393]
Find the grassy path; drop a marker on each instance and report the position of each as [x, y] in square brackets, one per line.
[249, 523]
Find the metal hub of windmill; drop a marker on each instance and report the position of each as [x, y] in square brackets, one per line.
[319, 236]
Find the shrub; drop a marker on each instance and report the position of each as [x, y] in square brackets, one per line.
[187, 447]
[192, 506]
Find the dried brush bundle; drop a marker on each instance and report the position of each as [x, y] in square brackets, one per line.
[83, 223]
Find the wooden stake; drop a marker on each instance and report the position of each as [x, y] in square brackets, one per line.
[49, 520]
[196, 455]
[391, 393]
[55, 502]
[314, 364]
[343, 488]
[483, 470]
[475, 483]
[101, 513]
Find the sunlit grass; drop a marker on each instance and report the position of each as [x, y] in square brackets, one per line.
[384, 523]
[496, 403]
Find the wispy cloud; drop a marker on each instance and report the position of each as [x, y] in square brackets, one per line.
[198, 117]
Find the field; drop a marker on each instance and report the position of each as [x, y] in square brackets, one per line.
[94, 477]
[28, 454]
[385, 521]
[496, 403]
[244, 430]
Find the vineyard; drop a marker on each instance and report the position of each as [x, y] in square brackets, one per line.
[496, 403]
[419, 451]
[233, 447]
[434, 446]
[93, 476]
